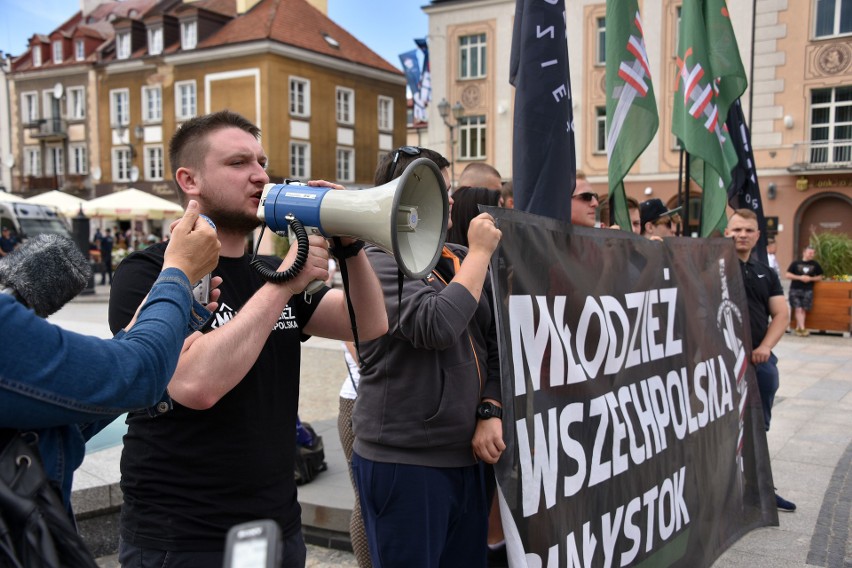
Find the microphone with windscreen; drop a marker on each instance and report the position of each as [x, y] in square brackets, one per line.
[45, 273]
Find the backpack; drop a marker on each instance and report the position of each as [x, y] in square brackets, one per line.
[310, 455]
[36, 530]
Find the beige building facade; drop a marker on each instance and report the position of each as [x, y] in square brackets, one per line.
[94, 103]
[799, 101]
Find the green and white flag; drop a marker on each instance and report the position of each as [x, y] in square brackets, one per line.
[710, 78]
[631, 108]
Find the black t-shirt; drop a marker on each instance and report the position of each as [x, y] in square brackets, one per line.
[189, 475]
[802, 268]
[761, 284]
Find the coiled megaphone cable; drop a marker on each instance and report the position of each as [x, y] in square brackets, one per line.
[279, 277]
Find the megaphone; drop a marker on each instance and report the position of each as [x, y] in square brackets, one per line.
[406, 217]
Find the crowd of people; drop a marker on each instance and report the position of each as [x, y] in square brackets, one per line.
[420, 407]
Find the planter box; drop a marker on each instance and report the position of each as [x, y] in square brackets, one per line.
[832, 310]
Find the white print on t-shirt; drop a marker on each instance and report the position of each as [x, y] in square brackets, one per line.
[287, 320]
[223, 315]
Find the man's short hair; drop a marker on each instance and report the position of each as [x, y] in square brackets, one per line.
[745, 214]
[188, 144]
[386, 170]
[507, 190]
[479, 174]
[632, 203]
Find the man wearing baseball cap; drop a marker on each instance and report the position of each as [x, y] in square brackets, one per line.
[657, 221]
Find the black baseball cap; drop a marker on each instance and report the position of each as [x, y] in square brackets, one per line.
[653, 209]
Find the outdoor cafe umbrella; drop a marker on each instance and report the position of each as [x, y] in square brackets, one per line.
[64, 203]
[132, 204]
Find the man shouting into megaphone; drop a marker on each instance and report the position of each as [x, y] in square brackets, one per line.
[223, 455]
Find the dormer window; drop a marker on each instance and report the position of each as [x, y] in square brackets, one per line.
[122, 45]
[37, 55]
[80, 50]
[57, 51]
[155, 40]
[189, 35]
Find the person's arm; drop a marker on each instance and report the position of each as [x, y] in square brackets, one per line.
[331, 318]
[780, 314]
[216, 362]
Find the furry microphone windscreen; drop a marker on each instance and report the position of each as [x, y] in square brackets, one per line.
[46, 272]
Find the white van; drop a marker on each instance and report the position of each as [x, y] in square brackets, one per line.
[27, 220]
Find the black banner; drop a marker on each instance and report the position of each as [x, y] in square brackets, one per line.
[544, 159]
[630, 437]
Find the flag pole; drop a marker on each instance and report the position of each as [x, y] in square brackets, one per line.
[680, 186]
[686, 194]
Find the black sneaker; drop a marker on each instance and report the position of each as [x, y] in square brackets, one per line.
[784, 505]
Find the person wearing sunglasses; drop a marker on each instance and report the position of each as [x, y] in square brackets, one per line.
[584, 203]
[657, 221]
[428, 409]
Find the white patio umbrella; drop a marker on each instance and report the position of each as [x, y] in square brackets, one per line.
[11, 198]
[132, 204]
[64, 203]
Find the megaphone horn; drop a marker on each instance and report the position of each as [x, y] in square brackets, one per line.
[406, 217]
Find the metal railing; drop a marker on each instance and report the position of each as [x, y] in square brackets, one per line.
[52, 128]
[822, 155]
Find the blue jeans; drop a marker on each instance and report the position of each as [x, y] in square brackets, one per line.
[767, 383]
[418, 516]
[294, 555]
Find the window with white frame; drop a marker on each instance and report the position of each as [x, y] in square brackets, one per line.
[76, 103]
[833, 17]
[188, 35]
[300, 160]
[37, 55]
[155, 40]
[345, 105]
[676, 34]
[385, 113]
[472, 56]
[32, 161]
[58, 56]
[831, 126]
[79, 50]
[300, 97]
[55, 163]
[600, 130]
[121, 164]
[600, 41]
[345, 164]
[119, 107]
[122, 45]
[152, 104]
[29, 107]
[185, 100]
[78, 159]
[472, 138]
[154, 163]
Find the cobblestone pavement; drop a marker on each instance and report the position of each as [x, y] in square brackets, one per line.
[318, 557]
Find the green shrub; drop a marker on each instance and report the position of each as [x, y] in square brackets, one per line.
[833, 251]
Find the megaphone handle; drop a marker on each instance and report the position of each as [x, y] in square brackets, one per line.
[277, 277]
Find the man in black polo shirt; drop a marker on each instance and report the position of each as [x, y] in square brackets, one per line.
[765, 300]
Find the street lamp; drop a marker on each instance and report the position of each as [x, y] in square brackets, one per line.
[458, 113]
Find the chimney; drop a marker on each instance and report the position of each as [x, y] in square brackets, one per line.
[321, 5]
[244, 6]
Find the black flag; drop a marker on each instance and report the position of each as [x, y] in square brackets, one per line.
[544, 164]
[744, 191]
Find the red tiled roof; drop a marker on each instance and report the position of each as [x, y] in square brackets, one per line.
[296, 23]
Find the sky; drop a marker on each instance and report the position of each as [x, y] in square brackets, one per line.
[388, 27]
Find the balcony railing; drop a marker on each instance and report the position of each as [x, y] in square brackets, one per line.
[55, 128]
[822, 155]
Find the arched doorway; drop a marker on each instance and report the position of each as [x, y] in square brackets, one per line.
[823, 212]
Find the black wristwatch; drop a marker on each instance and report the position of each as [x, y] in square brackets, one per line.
[488, 410]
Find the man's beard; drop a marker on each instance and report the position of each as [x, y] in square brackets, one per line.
[232, 221]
